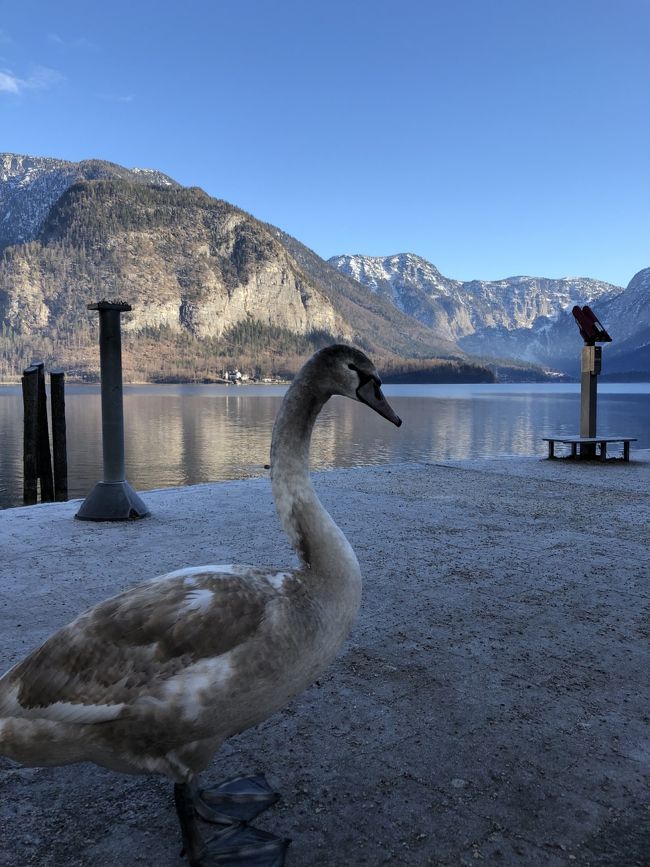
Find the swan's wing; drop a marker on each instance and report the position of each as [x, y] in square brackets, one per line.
[131, 645]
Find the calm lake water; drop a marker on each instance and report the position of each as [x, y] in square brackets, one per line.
[185, 434]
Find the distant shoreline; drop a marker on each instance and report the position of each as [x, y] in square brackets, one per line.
[612, 379]
[96, 382]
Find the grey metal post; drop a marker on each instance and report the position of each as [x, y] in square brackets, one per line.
[113, 499]
[110, 360]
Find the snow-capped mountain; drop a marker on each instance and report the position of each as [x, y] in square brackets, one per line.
[629, 313]
[29, 186]
[456, 309]
[627, 319]
[523, 318]
[554, 342]
[396, 275]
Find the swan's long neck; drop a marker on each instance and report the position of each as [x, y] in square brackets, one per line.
[320, 544]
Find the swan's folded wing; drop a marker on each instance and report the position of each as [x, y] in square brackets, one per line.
[131, 645]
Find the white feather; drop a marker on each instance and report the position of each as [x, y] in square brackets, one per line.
[277, 579]
[191, 573]
[67, 712]
[189, 689]
[199, 599]
[59, 711]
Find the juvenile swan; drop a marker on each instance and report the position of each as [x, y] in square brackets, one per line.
[155, 679]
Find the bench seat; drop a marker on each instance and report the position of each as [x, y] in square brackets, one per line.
[576, 444]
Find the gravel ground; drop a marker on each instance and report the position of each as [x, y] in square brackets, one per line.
[490, 707]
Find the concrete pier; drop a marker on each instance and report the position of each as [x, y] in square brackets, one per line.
[491, 706]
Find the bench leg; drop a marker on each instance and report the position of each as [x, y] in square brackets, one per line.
[603, 451]
[551, 449]
[626, 450]
[574, 450]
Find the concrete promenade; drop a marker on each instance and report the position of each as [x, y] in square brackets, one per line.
[491, 707]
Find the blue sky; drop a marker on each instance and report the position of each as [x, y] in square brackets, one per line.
[492, 137]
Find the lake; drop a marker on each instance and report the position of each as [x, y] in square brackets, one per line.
[186, 434]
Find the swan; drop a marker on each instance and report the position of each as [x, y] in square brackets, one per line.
[155, 679]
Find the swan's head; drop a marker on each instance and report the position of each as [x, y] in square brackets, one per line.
[347, 371]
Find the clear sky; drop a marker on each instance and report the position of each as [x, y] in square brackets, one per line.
[492, 137]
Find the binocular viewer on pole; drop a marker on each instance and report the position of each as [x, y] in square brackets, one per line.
[591, 330]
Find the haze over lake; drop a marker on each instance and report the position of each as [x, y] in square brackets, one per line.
[187, 434]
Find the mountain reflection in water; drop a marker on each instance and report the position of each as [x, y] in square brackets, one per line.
[186, 434]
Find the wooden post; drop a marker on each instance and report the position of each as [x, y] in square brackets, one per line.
[30, 435]
[589, 369]
[44, 454]
[59, 447]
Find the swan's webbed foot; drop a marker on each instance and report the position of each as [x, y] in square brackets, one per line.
[238, 799]
[237, 844]
[243, 846]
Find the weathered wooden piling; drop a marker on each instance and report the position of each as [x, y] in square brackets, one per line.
[59, 446]
[45, 476]
[37, 456]
[30, 435]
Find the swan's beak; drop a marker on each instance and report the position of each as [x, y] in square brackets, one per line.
[371, 394]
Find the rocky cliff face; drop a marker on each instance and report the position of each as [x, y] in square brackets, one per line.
[187, 262]
[384, 324]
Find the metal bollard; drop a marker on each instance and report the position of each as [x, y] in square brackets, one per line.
[112, 499]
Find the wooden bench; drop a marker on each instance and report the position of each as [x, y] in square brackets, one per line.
[576, 444]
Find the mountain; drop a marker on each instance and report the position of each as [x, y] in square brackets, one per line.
[524, 319]
[209, 284]
[627, 319]
[456, 310]
[409, 337]
[29, 186]
[555, 342]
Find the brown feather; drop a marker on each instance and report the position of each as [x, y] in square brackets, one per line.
[133, 642]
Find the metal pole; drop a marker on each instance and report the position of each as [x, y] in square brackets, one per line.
[110, 356]
[113, 499]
